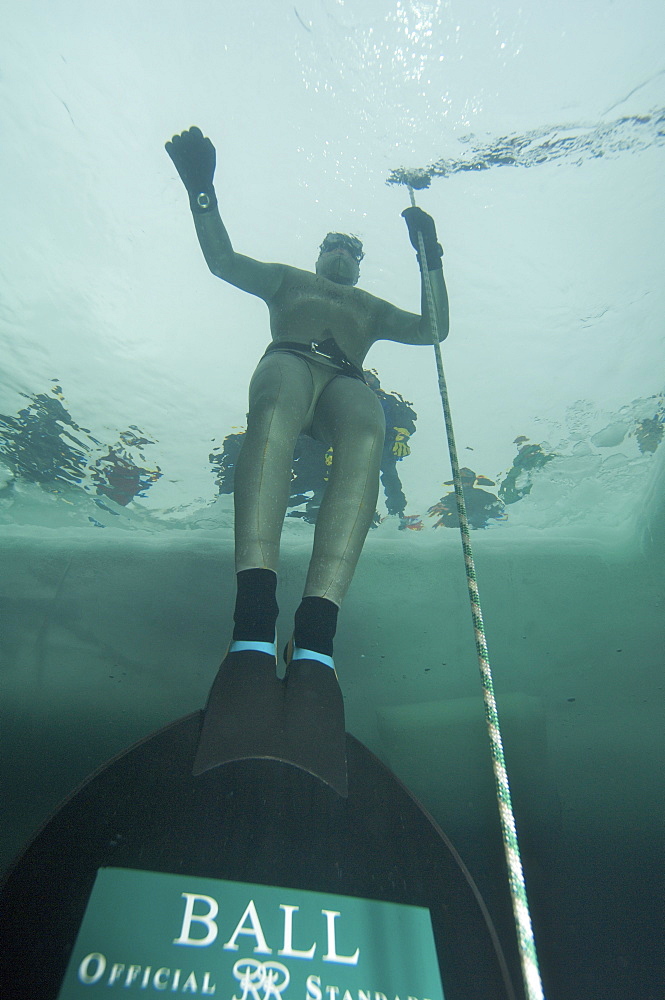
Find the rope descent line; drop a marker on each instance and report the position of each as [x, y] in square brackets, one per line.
[527, 948]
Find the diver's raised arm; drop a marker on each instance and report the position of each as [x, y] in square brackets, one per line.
[194, 157]
[440, 296]
[419, 222]
[410, 328]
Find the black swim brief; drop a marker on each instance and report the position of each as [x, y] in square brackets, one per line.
[327, 349]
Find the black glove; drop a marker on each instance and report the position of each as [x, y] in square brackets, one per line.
[418, 221]
[194, 157]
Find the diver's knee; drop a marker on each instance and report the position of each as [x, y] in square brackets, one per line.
[370, 436]
[367, 423]
[376, 423]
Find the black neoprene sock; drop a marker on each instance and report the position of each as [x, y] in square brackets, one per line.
[256, 606]
[315, 625]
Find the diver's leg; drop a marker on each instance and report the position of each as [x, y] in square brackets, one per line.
[245, 712]
[349, 416]
[280, 398]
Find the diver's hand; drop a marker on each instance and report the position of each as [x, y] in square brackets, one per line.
[194, 157]
[418, 221]
[401, 444]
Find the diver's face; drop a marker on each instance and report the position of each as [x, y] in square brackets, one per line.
[338, 265]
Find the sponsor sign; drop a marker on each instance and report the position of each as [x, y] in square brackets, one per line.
[151, 934]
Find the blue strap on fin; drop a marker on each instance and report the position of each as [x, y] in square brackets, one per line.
[240, 645]
[311, 654]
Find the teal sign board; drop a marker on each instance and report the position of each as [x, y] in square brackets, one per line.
[152, 934]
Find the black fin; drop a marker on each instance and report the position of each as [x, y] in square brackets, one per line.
[244, 715]
[315, 722]
[250, 713]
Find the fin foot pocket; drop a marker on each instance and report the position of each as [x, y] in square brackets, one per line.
[293, 652]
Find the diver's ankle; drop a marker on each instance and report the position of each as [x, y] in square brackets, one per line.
[315, 625]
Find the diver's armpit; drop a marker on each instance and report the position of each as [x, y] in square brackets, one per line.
[402, 327]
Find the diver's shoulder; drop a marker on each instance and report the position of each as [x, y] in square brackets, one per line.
[379, 305]
[298, 275]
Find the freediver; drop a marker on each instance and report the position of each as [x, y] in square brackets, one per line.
[310, 380]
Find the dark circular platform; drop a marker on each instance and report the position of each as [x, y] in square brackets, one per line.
[257, 821]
